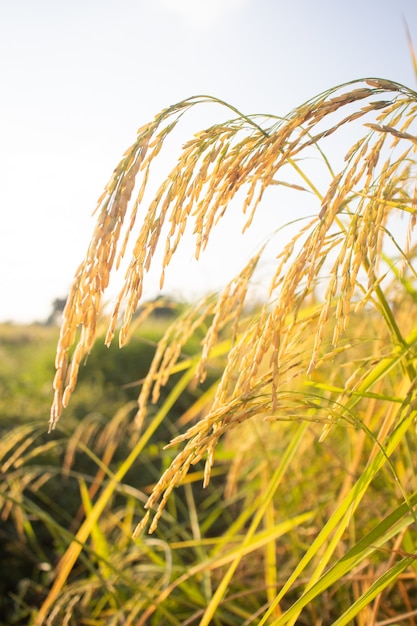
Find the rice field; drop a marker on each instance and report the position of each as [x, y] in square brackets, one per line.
[257, 466]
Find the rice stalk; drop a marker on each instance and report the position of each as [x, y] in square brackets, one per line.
[341, 247]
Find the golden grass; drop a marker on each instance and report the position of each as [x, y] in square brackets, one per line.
[341, 245]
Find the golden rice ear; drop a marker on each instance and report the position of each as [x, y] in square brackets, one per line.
[241, 155]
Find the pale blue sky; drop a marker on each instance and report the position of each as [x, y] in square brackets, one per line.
[78, 78]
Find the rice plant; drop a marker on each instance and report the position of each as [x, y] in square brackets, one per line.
[316, 401]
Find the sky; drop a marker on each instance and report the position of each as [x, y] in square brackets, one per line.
[79, 78]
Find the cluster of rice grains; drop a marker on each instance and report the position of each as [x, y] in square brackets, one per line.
[246, 152]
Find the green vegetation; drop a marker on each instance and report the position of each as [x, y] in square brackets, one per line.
[287, 494]
[49, 480]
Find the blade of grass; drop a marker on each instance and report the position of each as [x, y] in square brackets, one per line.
[72, 553]
[101, 547]
[374, 590]
[388, 528]
[259, 515]
[270, 567]
[411, 48]
[256, 542]
[344, 511]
